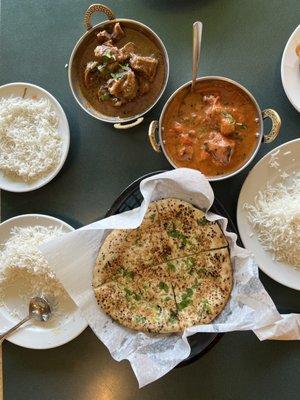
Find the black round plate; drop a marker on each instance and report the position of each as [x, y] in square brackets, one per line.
[132, 198]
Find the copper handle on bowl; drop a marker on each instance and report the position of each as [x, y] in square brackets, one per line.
[96, 8]
[153, 129]
[276, 123]
[130, 125]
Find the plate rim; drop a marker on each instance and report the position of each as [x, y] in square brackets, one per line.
[83, 325]
[282, 71]
[239, 211]
[64, 156]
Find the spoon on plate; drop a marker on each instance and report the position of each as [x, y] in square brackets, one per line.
[39, 309]
[197, 36]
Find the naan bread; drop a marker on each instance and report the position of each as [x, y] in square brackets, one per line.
[172, 272]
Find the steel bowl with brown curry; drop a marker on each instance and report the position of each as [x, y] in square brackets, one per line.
[121, 71]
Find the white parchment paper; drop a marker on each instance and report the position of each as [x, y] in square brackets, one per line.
[151, 356]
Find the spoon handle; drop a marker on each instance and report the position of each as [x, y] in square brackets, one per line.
[197, 35]
[11, 330]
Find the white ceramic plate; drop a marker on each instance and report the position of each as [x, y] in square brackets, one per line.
[17, 90]
[290, 69]
[256, 180]
[44, 335]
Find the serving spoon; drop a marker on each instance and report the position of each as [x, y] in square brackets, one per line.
[197, 36]
[39, 309]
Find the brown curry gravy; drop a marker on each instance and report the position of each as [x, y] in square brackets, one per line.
[145, 47]
[242, 109]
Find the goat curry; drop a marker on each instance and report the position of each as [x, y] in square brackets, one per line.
[122, 71]
[213, 129]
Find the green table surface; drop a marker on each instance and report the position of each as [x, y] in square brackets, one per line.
[242, 40]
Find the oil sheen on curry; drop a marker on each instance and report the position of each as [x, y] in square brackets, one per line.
[213, 129]
[122, 71]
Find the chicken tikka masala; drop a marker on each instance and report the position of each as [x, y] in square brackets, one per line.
[213, 129]
[122, 71]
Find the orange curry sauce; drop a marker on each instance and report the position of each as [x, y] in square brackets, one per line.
[213, 129]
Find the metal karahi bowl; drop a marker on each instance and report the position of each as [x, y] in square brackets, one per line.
[74, 81]
[155, 131]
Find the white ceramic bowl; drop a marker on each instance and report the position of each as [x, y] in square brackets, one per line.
[37, 336]
[289, 162]
[17, 90]
[290, 69]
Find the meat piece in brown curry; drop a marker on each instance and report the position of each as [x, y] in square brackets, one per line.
[213, 129]
[117, 71]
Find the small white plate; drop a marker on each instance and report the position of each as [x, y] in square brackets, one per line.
[17, 90]
[36, 336]
[290, 69]
[255, 181]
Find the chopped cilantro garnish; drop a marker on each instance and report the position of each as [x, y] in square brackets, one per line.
[125, 67]
[152, 217]
[202, 221]
[137, 296]
[206, 306]
[108, 56]
[171, 266]
[139, 319]
[128, 293]
[189, 292]
[186, 299]
[183, 243]
[163, 286]
[102, 68]
[173, 316]
[184, 303]
[174, 233]
[228, 116]
[118, 75]
[190, 262]
[130, 274]
[201, 271]
[125, 273]
[104, 96]
[241, 125]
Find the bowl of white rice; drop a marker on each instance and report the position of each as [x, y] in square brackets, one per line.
[34, 137]
[25, 273]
